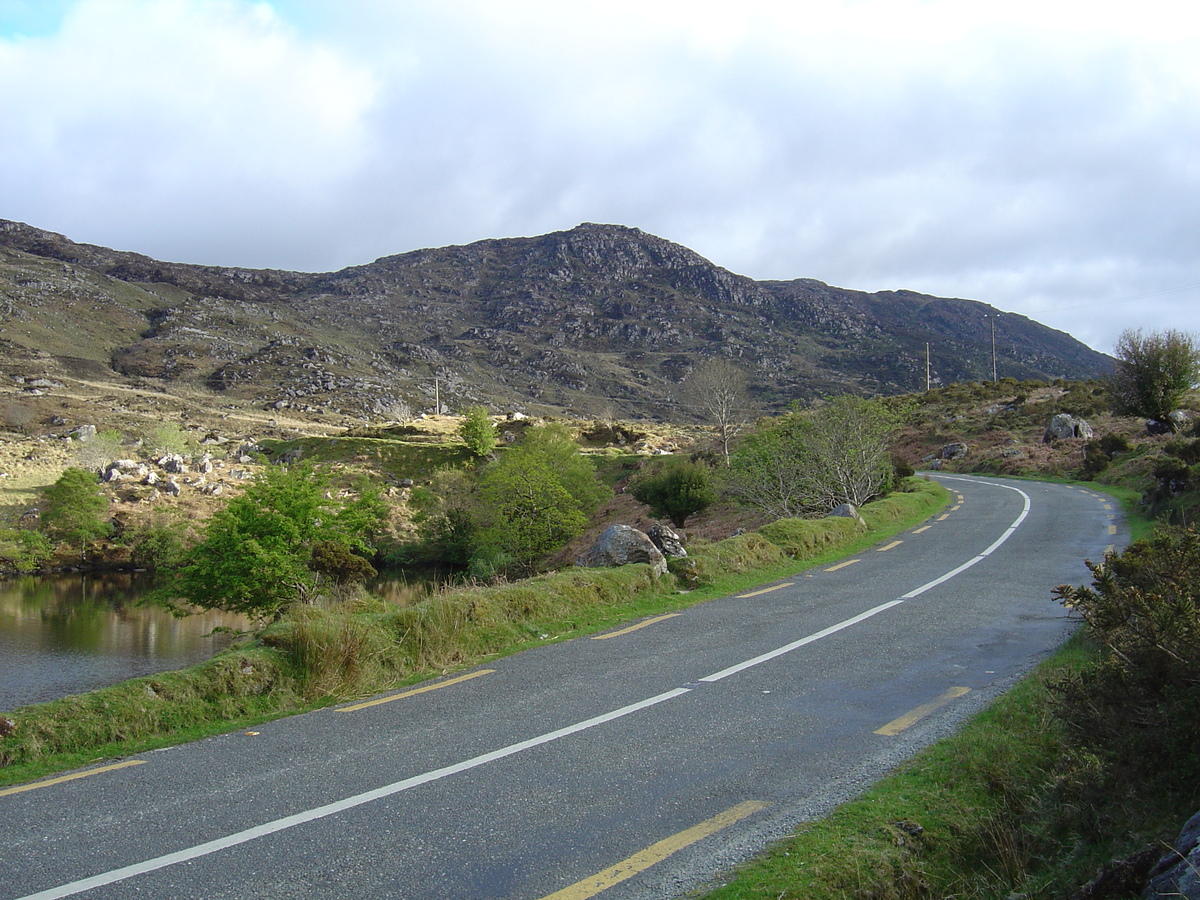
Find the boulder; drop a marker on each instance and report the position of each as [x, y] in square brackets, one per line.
[956, 450]
[666, 540]
[847, 511]
[621, 545]
[84, 433]
[1178, 873]
[1064, 426]
[173, 463]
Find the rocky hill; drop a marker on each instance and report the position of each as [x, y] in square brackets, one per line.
[598, 320]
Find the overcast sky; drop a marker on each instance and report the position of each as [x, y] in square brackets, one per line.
[1043, 157]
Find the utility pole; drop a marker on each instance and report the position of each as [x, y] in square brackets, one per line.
[992, 319]
[927, 367]
[437, 396]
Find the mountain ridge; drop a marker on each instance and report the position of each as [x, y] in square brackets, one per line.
[595, 320]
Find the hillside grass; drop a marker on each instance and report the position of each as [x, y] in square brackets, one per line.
[364, 645]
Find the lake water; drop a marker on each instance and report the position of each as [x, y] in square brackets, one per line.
[67, 634]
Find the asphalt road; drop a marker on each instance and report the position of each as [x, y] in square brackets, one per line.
[639, 763]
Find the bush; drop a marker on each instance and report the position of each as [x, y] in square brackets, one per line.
[1140, 704]
[675, 491]
[477, 431]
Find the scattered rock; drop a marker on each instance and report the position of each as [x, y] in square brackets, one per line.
[847, 511]
[666, 540]
[84, 433]
[1178, 873]
[620, 545]
[955, 450]
[1065, 426]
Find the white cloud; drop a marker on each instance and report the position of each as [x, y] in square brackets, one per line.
[1038, 156]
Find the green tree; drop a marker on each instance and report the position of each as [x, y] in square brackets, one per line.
[536, 497]
[1153, 372]
[256, 553]
[677, 490]
[73, 509]
[477, 431]
[808, 463]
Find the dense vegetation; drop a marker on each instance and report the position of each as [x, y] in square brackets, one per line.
[1025, 801]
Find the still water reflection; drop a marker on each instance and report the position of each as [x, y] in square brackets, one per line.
[67, 634]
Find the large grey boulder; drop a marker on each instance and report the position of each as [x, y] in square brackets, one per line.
[666, 540]
[1065, 426]
[1178, 873]
[619, 545]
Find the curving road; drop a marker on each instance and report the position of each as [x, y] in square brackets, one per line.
[634, 764]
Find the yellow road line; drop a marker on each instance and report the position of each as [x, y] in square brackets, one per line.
[1107, 505]
[922, 528]
[943, 517]
[955, 507]
[766, 590]
[421, 690]
[655, 853]
[910, 718]
[842, 565]
[888, 546]
[613, 634]
[4, 792]
[1112, 529]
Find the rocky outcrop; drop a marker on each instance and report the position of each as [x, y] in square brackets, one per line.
[1064, 427]
[1177, 874]
[620, 545]
[666, 540]
[597, 315]
[955, 450]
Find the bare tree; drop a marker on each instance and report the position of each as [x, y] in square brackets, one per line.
[718, 390]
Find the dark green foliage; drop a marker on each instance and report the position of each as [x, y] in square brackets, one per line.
[1099, 453]
[676, 490]
[74, 508]
[478, 432]
[1153, 372]
[336, 561]
[527, 503]
[157, 547]
[1140, 705]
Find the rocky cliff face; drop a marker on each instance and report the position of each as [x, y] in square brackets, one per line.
[600, 319]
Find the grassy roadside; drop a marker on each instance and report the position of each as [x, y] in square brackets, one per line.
[1010, 807]
[1006, 808]
[319, 656]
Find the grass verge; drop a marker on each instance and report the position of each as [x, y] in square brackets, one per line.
[1007, 807]
[317, 656]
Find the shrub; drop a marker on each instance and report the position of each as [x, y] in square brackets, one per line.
[675, 491]
[1141, 703]
[477, 431]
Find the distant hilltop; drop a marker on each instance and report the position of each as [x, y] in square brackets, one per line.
[599, 320]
